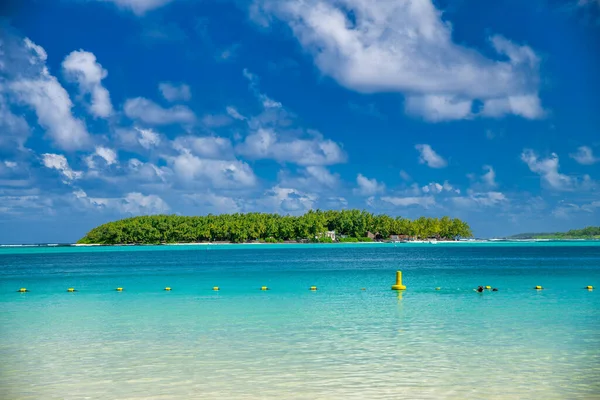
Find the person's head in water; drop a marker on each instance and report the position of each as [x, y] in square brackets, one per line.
[480, 289]
[494, 290]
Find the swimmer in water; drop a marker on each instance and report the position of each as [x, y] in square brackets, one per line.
[494, 290]
[480, 289]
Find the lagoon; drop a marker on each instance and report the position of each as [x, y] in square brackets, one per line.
[338, 342]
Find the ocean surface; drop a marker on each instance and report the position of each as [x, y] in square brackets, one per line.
[339, 342]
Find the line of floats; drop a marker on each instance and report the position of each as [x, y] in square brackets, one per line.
[396, 286]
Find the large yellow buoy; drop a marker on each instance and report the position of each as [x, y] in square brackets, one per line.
[538, 288]
[589, 287]
[264, 288]
[168, 289]
[398, 285]
[23, 290]
[119, 289]
[71, 290]
[216, 288]
[313, 288]
[488, 287]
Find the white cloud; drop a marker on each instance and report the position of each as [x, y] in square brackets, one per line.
[29, 82]
[109, 156]
[139, 7]
[81, 66]
[214, 203]
[148, 138]
[266, 101]
[475, 199]
[286, 200]
[423, 201]
[191, 169]
[10, 164]
[235, 114]
[60, 163]
[437, 108]
[489, 178]
[406, 46]
[205, 147]
[147, 111]
[147, 171]
[172, 92]
[585, 156]
[436, 188]
[368, 187]
[430, 157]
[527, 106]
[265, 143]
[311, 178]
[547, 168]
[216, 120]
[133, 203]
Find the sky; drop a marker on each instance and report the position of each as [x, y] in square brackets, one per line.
[484, 111]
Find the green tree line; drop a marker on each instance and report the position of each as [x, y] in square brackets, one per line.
[239, 228]
[591, 232]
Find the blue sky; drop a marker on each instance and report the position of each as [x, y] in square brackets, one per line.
[477, 110]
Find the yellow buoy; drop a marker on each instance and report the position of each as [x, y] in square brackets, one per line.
[398, 285]
[538, 288]
[23, 290]
[438, 288]
[264, 288]
[313, 288]
[119, 289]
[589, 287]
[71, 290]
[168, 289]
[488, 287]
[216, 288]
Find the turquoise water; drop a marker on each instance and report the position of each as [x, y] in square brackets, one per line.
[339, 342]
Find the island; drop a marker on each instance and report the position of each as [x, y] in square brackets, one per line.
[591, 232]
[314, 226]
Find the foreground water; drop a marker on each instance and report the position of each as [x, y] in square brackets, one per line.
[340, 342]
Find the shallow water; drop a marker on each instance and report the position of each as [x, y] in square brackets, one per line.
[339, 342]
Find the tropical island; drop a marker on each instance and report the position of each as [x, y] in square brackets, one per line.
[591, 232]
[314, 226]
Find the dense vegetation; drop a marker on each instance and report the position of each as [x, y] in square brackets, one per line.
[272, 228]
[591, 232]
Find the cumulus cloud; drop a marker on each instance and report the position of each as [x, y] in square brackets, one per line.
[436, 188]
[265, 143]
[422, 201]
[207, 147]
[144, 110]
[133, 203]
[406, 46]
[368, 187]
[288, 200]
[60, 163]
[82, 67]
[173, 92]
[311, 178]
[476, 199]
[107, 155]
[214, 202]
[585, 156]
[139, 7]
[194, 170]
[147, 171]
[430, 157]
[547, 168]
[30, 82]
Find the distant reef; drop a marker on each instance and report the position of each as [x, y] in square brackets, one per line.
[314, 226]
[591, 232]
